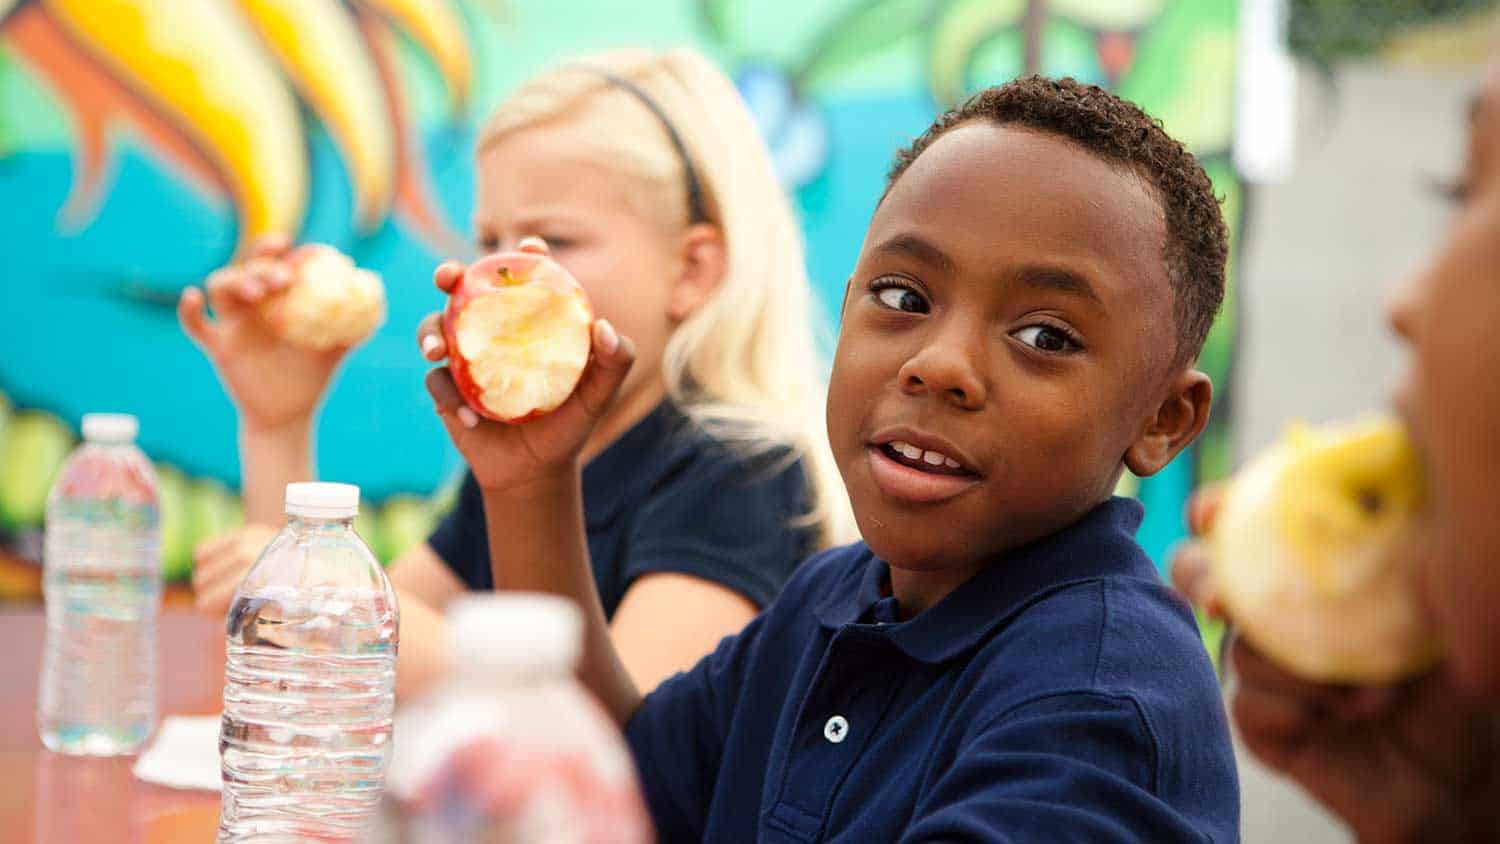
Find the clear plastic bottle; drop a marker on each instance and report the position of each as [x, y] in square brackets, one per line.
[310, 680]
[102, 586]
[569, 778]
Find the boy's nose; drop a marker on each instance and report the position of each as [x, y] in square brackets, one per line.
[945, 370]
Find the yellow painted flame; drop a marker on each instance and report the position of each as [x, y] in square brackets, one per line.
[196, 62]
[321, 49]
[221, 74]
[439, 31]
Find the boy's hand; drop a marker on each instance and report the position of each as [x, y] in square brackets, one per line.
[505, 456]
[271, 381]
[220, 563]
[1402, 763]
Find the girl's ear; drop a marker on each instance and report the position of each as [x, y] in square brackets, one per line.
[1179, 419]
[705, 262]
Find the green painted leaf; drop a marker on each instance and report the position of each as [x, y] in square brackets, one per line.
[368, 525]
[177, 540]
[1183, 73]
[408, 520]
[1069, 50]
[996, 60]
[865, 33]
[36, 444]
[30, 117]
[962, 26]
[1114, 15]
[715, 15]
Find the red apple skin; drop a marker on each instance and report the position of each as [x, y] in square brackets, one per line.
[483, 278]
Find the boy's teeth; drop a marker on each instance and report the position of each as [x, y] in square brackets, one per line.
[931, 458]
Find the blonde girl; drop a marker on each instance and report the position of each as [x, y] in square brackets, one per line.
[708, 477]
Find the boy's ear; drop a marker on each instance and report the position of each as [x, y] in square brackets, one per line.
[1178, 421]
[705, 262]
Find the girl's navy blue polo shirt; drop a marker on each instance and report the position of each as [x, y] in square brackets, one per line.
[1062, 694]
[666, 497]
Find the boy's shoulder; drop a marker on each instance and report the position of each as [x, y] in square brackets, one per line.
[1108, 634]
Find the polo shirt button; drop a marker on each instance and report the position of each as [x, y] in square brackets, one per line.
[836, 730]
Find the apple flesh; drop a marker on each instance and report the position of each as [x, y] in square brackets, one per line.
[519, 330]
[330, 303]
[1316, 549]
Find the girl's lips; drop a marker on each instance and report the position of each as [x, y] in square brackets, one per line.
[905, 483]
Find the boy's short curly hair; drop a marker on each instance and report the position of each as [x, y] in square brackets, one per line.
[1197, 247]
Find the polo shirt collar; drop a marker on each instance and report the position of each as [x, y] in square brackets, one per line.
[615, 476]
[1101, 543]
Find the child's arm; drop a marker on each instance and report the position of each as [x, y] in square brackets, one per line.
[543, 520]
[275, 385]
[530, 478]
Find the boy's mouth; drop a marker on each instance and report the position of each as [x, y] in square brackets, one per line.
[910, 472]
[925, 460]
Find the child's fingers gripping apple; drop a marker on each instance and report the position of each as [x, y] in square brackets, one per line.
[430, 337]
[1192, 575]
[522, 349]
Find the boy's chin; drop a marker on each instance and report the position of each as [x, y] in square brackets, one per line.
[901, 549]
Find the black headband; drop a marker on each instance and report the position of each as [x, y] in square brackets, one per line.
[697, 210]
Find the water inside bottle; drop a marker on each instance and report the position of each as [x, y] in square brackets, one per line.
[308, 702]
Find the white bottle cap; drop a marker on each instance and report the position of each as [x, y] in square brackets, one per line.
[515, 632]
[110, 427]
[322, 501]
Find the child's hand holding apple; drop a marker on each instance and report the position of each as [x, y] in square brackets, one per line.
[529, 370]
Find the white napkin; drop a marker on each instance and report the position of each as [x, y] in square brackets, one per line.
[185, 754]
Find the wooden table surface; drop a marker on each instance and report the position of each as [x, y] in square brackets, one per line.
[54, 799]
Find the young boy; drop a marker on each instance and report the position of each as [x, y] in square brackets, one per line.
[997, 660]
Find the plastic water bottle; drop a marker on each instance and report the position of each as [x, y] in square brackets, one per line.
[568, 776]
[102, 586]
[310, 680]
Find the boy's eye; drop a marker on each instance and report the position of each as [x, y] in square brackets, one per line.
[902, 299]
[1455, 191]
[1045, 338]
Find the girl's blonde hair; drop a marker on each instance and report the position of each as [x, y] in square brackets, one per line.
[745, 365]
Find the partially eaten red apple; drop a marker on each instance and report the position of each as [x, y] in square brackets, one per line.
[330, 303]
[519, 329]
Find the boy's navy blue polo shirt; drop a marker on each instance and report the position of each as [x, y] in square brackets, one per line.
[1062, 694]
[666, 497]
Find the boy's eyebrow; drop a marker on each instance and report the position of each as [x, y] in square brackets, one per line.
[914, 246]
[1059, 279]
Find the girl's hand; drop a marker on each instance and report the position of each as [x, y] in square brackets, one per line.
[220, 563]
[271, 381]
[509, 456]
[1397, 763]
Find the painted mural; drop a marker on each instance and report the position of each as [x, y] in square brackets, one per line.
[143, 142]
